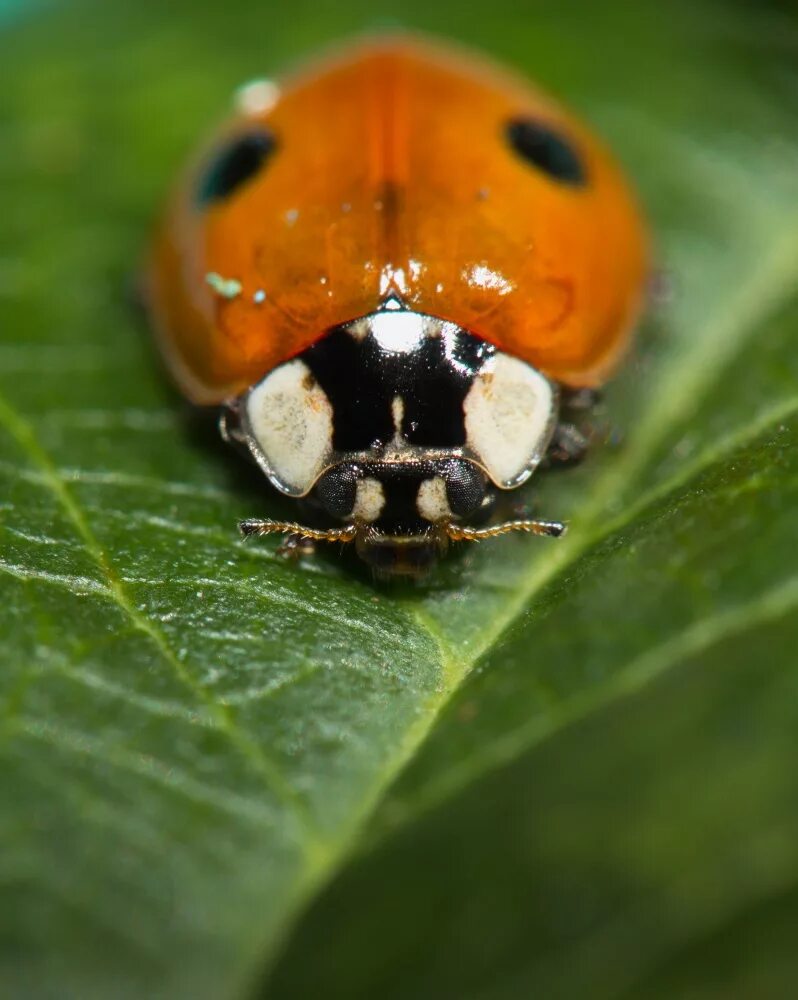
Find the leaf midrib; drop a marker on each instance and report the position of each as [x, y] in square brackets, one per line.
[23, 433]
[628, 680]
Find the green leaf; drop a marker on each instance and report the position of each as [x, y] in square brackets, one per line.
[560, 769]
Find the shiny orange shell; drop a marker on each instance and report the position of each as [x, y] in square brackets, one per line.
[392, 175]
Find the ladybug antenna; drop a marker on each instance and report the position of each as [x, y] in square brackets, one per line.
[461, 533]
[254, 526]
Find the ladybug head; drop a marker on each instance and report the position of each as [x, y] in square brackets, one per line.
[396, 430]
[403, 508]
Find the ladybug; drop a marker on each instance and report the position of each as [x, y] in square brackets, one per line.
[388, 273]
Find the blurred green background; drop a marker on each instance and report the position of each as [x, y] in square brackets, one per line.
[555, 771]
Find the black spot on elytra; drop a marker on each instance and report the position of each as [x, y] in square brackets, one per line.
[542, 146]
[234, 164]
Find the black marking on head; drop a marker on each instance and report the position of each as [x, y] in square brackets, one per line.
[234, 164]
[544, 147]
[466, 488]
[361, 381]
[400, 485]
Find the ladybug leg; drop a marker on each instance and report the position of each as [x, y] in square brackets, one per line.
[580, 400]
[569, 444]
[571, 440]
[660, 289]
[523, 508]
[294, 547]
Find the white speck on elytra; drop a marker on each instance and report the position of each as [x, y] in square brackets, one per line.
[256, 97]
[227, 288]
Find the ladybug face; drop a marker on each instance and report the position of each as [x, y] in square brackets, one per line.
[397, 426]
[384, 272]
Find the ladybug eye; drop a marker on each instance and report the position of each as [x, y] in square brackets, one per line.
[337, 490]
[235, 164]
[548, 150]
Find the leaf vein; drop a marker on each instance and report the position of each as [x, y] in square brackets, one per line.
[772, 605]
[23, 433]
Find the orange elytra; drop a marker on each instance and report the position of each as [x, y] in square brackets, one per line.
[396, 260]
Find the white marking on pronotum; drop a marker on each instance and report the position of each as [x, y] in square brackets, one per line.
[256, 97]
[359, 329]
[432, 502]
[510, 413]
[291, 420]
[369, 499]
[259, 297]
[399, 332]
[291, 216]
[227, 288]
[398, 414]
